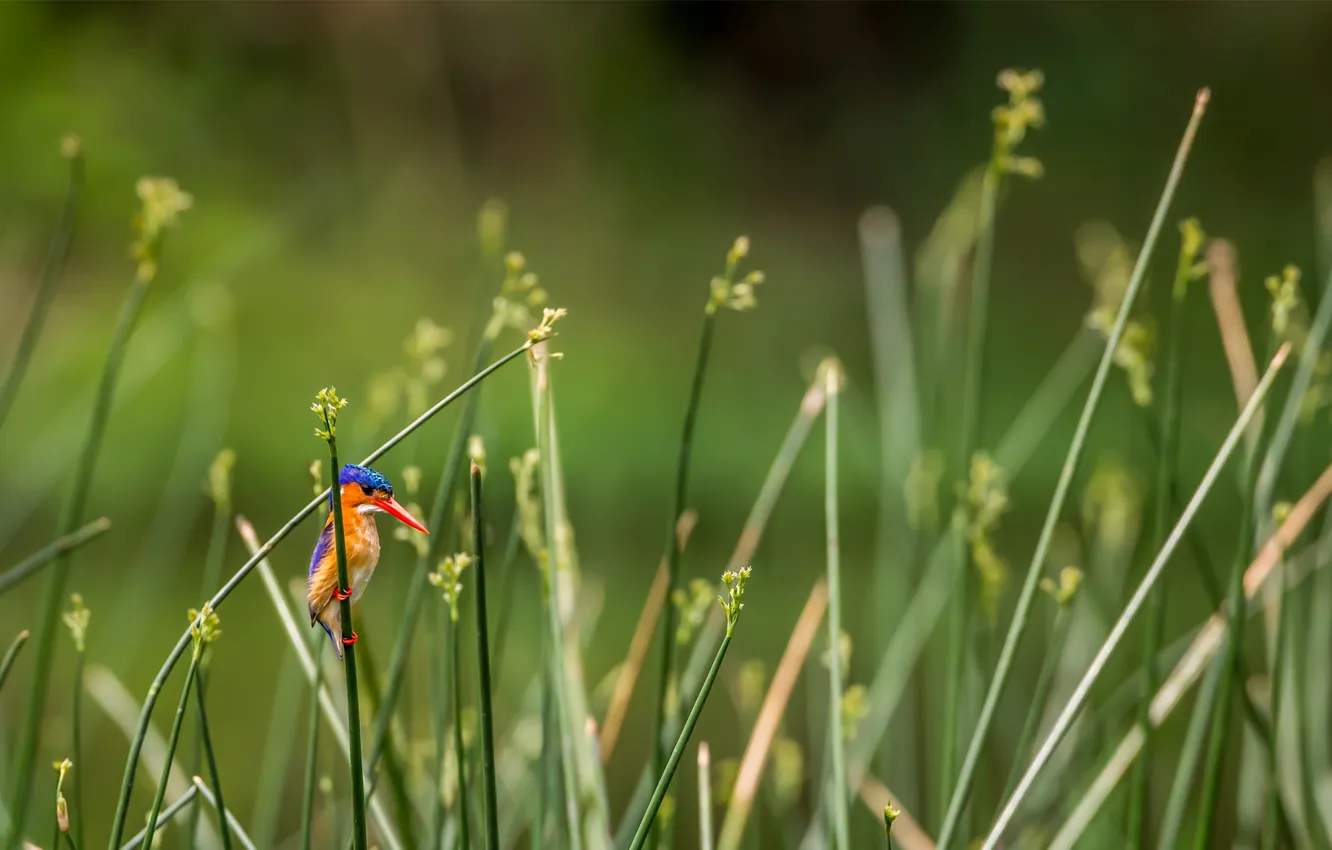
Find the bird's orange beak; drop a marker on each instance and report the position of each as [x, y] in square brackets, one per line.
[391, 507]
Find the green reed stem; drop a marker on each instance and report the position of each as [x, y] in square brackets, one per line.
[668, 772]
[216, 553]
[1168, 442]
[312, 748]
[55, 266]
[960, 614]
[506, 587]
[668, 619]
[417, 589]
[1022, 610]
[841, 828]
[11, 655]
[172, 740]
[167, 814]
[1235, 601]
[232, 823]
[541, 398]
[442, 688]
[214, 775]
[704, 796]
[71, 520]
[34, 562]
[487, 712]
[1082, 691]
[348, 655]
[76, 722]
[459, 753]
[1271, 833]
[1040, 694]
[145, 717]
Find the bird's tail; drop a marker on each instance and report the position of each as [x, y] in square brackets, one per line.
[336, 637]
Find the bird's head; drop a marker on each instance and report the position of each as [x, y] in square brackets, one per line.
[366, 491]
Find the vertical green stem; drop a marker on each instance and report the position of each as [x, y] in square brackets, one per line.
[172, 740]
[1021, 612]
[459, 753]
[312, 748]
[668, 623]
[213, 775]
[217, 546]
[487, 716]
[704, 796]
[1172, 821]
[837, 746]
[668, 772]
[55, 594]
[1165, 472]
[349, 655]
[55, 265]
[1271, 833]
[76, 721]
[11, 655]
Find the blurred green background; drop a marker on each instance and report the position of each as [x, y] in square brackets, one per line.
[338, 154]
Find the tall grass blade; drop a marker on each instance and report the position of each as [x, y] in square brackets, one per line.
[1080, 694]
[841, 829]
[1020, 614]
[487, 714]
[735, 585]
[72, 149]
[11, 655]
[214, 775]
[34, 562]
[704, 796]
[127, 784]
[755, 757]
[173, 739]
[1168, 442]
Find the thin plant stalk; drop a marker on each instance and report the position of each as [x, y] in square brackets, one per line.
[459, 752]
[487, 711]
[1083, 689]
[211, 758]
[1220, 731]
[672, 557]
[76, 723]
[55, 266]
[668, 772]
[172, 740]
[1022, 610]
[541, 398]
[71, 520]
[328, 404]
[1165, 472]
[1191, 751]
[704, 796]
[11, 655]
[1271, 814]
[841, 828]
[232, 823]
[167, 814]
[1040, 692]
[34, 562]
[312, 750]
[136, 743]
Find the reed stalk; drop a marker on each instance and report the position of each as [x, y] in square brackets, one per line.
[487, 712]
[214, 775]
[837, 744]
[1168, 442]
[167, 814]
[233, 824]
[326, 407]
[77, 620]
[11, 655]
[312, 748]
[145, 718]
[735, 585]
[67, 543]
[205, 634]
[72, 149]
[1270, 831]
[1022, 611]
[704, 796]
[1082, 691]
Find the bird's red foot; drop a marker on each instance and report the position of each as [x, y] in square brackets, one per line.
[341, 595]
[349, 641]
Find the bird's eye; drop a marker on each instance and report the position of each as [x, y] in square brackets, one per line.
[366, 490]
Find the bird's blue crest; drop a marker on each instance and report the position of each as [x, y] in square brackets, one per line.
[364, 476]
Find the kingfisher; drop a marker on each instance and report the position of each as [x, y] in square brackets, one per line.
[364, 492]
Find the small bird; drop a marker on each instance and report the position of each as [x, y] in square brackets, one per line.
[364, 492]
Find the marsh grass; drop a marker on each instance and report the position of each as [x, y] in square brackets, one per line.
[539, 769]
